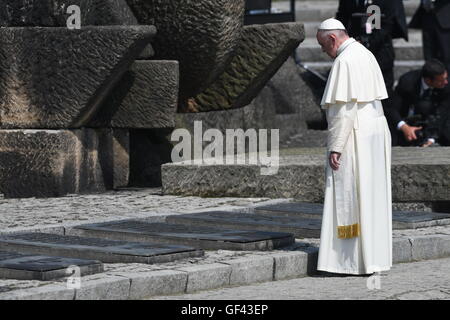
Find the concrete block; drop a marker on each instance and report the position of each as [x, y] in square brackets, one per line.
[401, 250]
[290, 265]
[251, 269]
[156, 283]
[45, 292]
[430, 247]
[207, 277]
[105, 288]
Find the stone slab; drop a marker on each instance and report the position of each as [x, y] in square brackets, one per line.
[50, 292]
[145, 98]
[300, 228]
[196, 236]
[401, 250]
[201, 34]
[33, 267]
[250, 270]
[290, 265]
[207, 277]
[156, 283]
[104, 288]
[41, 70]
[400, 219]
[50, 163]
[89, 248]
[261, 52]
[430, 247]
[418, 175]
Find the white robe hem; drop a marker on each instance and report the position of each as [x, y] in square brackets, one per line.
[370, 270]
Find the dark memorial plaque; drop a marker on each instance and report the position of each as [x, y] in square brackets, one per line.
[197, 236]
[400, 219]
[414, 220]
[108, 251]
[299, 227]
[293, 209]
[19, 266]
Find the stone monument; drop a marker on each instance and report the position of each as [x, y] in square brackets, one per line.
[89, 109]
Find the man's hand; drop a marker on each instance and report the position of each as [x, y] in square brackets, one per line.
[410, 132]
[427, 144]
[334, 160]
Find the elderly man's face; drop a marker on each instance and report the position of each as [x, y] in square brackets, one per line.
[328, 44]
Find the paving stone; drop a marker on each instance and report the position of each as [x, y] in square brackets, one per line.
[250, 270]
[47, 292]
[401, 250]
[205, 277]
[146, 97]
[92, 248]
[300, 228]
[106, 288]
[144, 285]
[41, 70]
[430, 247]
[200, 237]
[290, 265]
[33, 267]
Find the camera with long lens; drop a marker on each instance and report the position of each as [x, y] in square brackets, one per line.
[418, 120]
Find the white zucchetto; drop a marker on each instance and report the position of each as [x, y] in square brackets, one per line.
[331, 24]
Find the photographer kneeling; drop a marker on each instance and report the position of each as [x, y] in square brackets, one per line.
[419, 112]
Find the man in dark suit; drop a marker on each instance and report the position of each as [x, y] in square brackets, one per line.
[379, 41]
[420, 107]
[433, 17]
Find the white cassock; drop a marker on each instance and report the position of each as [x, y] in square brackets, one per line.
[356, 235]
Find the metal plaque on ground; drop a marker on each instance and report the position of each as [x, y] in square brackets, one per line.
[109, 251]
[401, 219]
[201, 237]
[299, 227]
[19, 266]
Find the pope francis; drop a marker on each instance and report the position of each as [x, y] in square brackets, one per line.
[356, 235]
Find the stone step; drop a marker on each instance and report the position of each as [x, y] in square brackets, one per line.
[314, 53]
[400, 219]
[107, 251]
[400, 67]
[196, 236]
[300, 228]
[14, 265]
[300, 174]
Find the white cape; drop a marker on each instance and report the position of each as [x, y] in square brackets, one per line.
[355, 76]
